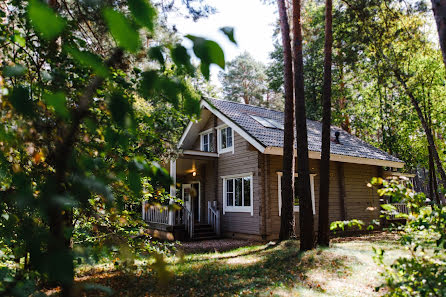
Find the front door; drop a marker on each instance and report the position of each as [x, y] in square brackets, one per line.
[191, 198]
[186, 189]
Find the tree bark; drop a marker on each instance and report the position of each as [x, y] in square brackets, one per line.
[287, 212]
[306, 220]
[439, 10]
[427, 130]
[323, 238]
[60, 220]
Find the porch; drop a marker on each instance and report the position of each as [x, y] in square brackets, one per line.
[198, 215]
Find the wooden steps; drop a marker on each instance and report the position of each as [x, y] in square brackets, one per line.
[204, 232]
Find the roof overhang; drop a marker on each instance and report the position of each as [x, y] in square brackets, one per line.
[227, 121]
[340, 158]
[199, 153]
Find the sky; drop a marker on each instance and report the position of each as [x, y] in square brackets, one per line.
[253, 29]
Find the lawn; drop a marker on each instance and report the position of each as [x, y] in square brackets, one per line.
[260, 269]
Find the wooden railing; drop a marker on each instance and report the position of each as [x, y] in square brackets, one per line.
[400, 208]
[214, 217]
[188, 219]
[155, 213]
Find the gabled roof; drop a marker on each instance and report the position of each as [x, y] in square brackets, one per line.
[270, 140]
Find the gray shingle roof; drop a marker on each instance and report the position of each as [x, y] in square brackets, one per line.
[350, 145]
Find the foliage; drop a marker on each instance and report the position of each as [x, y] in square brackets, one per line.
[423, 273]
[367, 98]
[244, 80]
[82, 127]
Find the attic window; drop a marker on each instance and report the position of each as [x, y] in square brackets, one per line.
[268, 123]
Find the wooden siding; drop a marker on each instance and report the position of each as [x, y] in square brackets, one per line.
[209, 124]
[361, 202]
[243, 160]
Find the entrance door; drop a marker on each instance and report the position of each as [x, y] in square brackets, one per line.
[191, 198]
[186, 189]
[195, 198]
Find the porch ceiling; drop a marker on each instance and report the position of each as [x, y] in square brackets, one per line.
[187, 166]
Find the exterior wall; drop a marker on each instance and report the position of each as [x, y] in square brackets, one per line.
[243, 160]
[361, 202]
[209, 125]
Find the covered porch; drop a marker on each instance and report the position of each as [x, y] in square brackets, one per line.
[198, 215]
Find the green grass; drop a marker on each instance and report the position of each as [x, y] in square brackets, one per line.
[345, 269]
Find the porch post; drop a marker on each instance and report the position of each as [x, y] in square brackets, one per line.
[173, 190]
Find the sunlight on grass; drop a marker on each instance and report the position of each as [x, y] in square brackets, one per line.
[346, 268]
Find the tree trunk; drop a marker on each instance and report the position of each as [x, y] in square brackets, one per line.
[427, 130]
[287, 212]
[439, 9]
[323, 237]
[431, 178]
[345, 124]
[306, 220]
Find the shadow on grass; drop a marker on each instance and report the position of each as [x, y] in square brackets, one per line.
[251, 273]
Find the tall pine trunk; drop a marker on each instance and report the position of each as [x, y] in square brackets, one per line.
[323, 238]
[306, 220]
[427, 130]
[287, 212]
[439, 9]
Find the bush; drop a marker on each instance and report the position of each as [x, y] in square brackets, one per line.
[423, 272]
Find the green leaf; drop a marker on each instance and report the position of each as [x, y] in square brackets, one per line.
[14, 71]
[204, 68]
[208, 51]
[134, 181]
[21, 101]
[122, 31]
[156, 53]
[181, 57]
[58, 102]
[229, 32]
[45, 20]
[388, 207]
[191, 104]
[88, 59]
[119, 108]
[143, 12]
[19, 40]
[149, 81]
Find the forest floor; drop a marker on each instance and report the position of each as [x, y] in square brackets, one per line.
[346, 268]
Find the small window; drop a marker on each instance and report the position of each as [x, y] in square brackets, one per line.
[226, 140]
[207, 142]
[268, 123]
[296, 200]
[237, 192]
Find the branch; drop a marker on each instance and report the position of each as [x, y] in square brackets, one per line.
[64, 149]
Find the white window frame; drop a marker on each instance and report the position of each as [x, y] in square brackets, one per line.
[227, 149]
[202, 134]
[296, 207]
[249, 209]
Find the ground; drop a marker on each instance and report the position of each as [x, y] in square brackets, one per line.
[228, 268]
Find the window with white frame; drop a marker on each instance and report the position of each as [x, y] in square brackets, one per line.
[207, 141]
[296, 201]
[226, 138]
[238, 193]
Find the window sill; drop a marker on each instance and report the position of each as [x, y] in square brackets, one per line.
[226, 150]
[238, 209]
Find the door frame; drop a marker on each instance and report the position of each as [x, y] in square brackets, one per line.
[199, 196]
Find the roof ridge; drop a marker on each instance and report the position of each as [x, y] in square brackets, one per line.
[244, 104]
